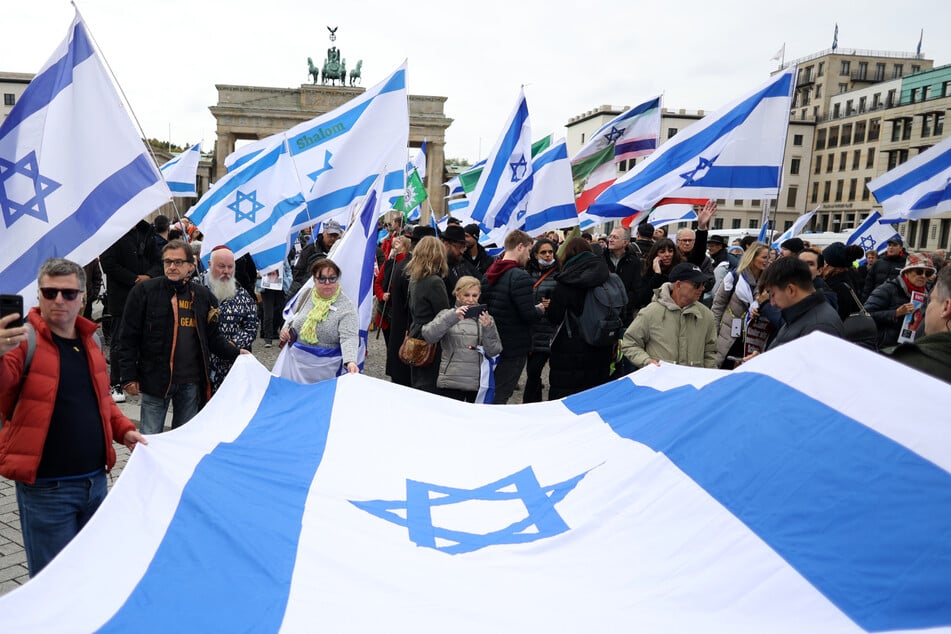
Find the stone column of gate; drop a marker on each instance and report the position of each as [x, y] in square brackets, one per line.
[223, 147]
[435, 164]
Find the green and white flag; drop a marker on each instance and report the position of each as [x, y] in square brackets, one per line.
[414, 195]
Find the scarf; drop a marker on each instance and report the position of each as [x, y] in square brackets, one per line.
[910, 286]
[497, 269]
[308, 332]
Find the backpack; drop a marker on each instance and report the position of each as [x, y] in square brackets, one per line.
[600, 322]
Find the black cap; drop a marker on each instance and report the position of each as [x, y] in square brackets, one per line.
[421, 231]
[896, 240]
[454, 233]
[686, 272]
[473, 230]
[795, 245]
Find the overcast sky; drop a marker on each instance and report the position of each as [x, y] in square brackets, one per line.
[169, 54]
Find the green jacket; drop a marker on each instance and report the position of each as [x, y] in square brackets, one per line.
[664, 332]
[931, 355]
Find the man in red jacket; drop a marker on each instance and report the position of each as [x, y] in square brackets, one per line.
[60, 420]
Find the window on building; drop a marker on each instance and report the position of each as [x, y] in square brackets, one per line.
[582, 137]
[843, 159]
[856, 159]
[897, 125]
[836, 110]
[794, 166]
[831, 162]
[721, 201]
[843, 88]
[870, 159]
[874, 129]
[876, 100]
[818, 90]
[925, 92]
[9, 99]
[859, 136]
[890, 99]
[822, 69]
[862, 103]
[834, 136]
[926, 125]
[797, 139]
[865, 192]
[863, 71]
[849, 108]
[818, 163]
[826, 188]
[906, 130]
[815, 193]
[844, 70]
[717, 223]
[898, 70]
[896, 158]
[853, 186]
[938, 123]
[846, 137]
[839, 186]
[756, 203]
[735, 223]
[821, 139]
[671, 132]
[880, 72]
[737, 203]
[915, 68]
[946, 89]
[791, 195]
[914, 95]
[754, 223]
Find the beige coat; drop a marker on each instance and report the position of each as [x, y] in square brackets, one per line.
[662, 331]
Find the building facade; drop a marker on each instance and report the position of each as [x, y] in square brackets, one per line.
[12, 86]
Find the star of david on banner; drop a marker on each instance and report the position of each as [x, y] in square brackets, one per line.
[519, 168]
[614, 134]
[251, 198]
[416, 511]
[14, 186]
[704, 165]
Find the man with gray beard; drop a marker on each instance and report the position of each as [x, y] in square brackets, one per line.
[238, 314]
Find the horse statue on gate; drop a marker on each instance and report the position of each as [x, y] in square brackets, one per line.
[313, 71]
[355, 73]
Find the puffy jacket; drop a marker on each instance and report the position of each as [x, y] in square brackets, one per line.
[881, 305]
[809, 314]
[23, 437]
[510, 302]
[884, 269]
[149, 332]
[727, 306]
[664, 331]
[461, 364]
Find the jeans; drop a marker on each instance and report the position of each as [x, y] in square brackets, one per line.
[186, 400]
[507, 374]
[53, 512]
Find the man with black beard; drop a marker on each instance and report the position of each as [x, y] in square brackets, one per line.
[454, 237]
[238, 315]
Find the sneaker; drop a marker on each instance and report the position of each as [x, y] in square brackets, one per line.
[118, 395]
[267, 343]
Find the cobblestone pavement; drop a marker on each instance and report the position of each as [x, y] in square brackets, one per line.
[13, 571]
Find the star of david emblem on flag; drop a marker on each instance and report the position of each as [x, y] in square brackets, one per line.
[252, 199]
[868, 243]
[541, 519]
[519, 168]
[697, 173]
[325, 168]
[614, 134]
[23, 190]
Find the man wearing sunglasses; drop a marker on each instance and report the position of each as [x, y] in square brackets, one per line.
[169, 329]
[56, 441]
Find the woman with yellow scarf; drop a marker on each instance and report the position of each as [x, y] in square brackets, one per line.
[323, 335]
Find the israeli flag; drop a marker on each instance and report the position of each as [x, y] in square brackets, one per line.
[419, 162]
[292, 508]
[796, 228]
[252, 209]
[355, 254]
[919, 188]
[551, 203]
[74, 174]
[339, 155]
[873, 234]
[181, 172]
[459, 208]
[506, 178]
[668, 214]
[736, 152]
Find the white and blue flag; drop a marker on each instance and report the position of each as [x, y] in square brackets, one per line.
[736, 152]
[798, 225]
[918, 188]
[252, 209]
[292, 508]
[551, 202]
[668, 214]
[74, 173]
[873, 234]
[181, 172]
[339, 155]
[419, 162]
[506, 178]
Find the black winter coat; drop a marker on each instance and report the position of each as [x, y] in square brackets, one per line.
[149, 326]
[808, 315]
[510, 302]
[575, 365]
[628, 268]
[839, 283]
[884, 269]
[136, 253]
[543, 331]
[481, 261]
[881, 305]
[399, 322]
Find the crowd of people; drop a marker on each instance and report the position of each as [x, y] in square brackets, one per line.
[591, 309]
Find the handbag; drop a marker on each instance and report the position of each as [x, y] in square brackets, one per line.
[417, 353]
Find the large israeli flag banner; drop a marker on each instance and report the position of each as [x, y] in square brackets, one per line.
[919, 188]
[551, 203]
[181, 171]
[356, 505]
[74, 173]
[506, 178]
[252, 209]
[339, 155]
[736, 152]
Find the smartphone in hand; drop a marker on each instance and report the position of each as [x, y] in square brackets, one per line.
[10, 304]
[473, 312]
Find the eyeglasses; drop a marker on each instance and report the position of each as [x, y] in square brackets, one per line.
[327, 280]
[925, 272]
[69, 294]
[685, 240]
[174, 262]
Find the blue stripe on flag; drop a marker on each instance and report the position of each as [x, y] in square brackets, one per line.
[932, 199]
[45, 86]
[223, 190]
[95, 211]
[327, 131]
[568, 214]
[497, 169]
[236, 577]
[180, 187]
[557, 153]
[343, 197]
[817, 486]
[637, 145]
[264, 228]
[916, 176]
